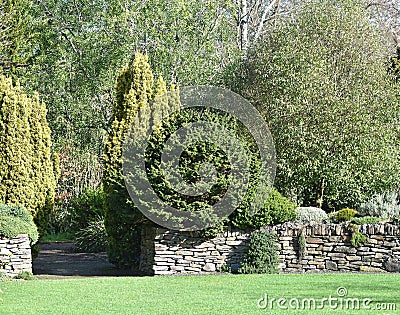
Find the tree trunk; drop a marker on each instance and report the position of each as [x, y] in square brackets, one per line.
[320, 193]
[244, 31]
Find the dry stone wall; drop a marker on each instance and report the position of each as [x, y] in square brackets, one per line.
[327, 248]
[166, 252]
[15, 255]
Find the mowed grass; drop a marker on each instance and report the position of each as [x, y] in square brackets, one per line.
[221, 294]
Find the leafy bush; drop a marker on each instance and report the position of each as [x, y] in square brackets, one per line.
[277, 209]
[16, 220]
[343, 215]
[262, 255]
[366, 220]
[25, 275]
[92, 238]
[87, 207]
[385, 206]
[358, 239]
[310, 214]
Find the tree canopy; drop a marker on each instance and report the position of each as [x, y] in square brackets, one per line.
[321, 79]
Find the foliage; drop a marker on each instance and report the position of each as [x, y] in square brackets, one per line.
[16, 220]
[25, 275]
[93, 237]
[79, 48]
[206, 153]
[80, 173]
[4, 277]
[35, 249]
[366, 220]
[332, 112]
[277, 209]
[15, 211]
[310, 214]
[396, 220]
[385, 206]
[301, 243]
[26, 165]
[345, 214]
[12, 226]
[262, 255]
[58, 237]
[214, 230]
[16, 36]
[86, 207]
[357, 238]
[135, 91]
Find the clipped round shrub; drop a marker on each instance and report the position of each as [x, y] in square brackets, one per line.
[366, 220]
[92, 238]
[345, 214]
[262, 255]
[277, 209]
[12, 226]
[310, 214]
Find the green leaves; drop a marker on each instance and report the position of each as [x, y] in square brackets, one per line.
[262, 255]
[26, 167]
[321, 81]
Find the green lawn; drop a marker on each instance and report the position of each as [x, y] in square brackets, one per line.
[224, 294]
[59, 237]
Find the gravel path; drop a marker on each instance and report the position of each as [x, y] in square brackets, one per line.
[59, 260]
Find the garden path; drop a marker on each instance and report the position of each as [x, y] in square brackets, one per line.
[60, 260]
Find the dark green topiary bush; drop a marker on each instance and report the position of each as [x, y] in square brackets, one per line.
[277, 209]
[135, 91]
[262, 256]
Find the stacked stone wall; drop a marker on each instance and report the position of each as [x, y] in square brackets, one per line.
[327, 248]
[15, 255]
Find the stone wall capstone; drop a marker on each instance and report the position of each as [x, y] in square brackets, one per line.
[327, 248]
[15, 255]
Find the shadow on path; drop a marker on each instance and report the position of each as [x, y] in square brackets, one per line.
[58, 260]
